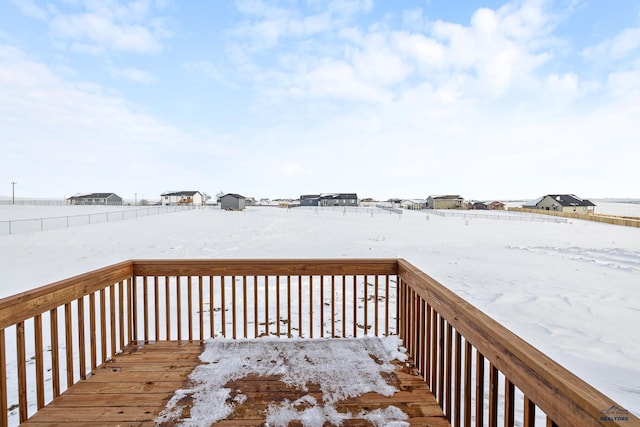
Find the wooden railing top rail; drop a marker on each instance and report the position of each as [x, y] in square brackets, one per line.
[567, 399]
[28, 304]
[265, 267]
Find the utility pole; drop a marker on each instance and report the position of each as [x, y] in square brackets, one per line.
[13, 192]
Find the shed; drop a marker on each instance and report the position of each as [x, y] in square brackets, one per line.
[232, 202]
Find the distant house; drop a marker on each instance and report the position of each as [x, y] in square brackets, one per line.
[182, 198]
[414, 204]
[310, 200]
[232, 202]
[109, 199]
[477, 206]
[334, 199]
[495, 206]
[565, 203]
[445, 202]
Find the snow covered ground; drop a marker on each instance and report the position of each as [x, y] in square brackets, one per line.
[571, 289]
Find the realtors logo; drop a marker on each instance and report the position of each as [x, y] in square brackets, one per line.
[615, 413]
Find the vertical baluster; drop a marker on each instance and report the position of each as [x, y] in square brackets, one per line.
[333, 306]
[300, 306]
[4, 410]
[103, 325]
[457, 375]
[442, 357]
[82, 343]
[145, 308]
[449, 357]
[321, 299]
[178, 308]
[190, 307]
[37, 329]
[266, 306]
[387, 317]
[529, 413]
[55, 359]
[234, 313]
[278, 305]
[467, 383]
[365, 302]
[355, 306]
[68, 343]
[22, 372]
[493, 396]
[289, 319]
[121, 311]
[434, 351]
[223, 306]
[112, 318]
[509, 403]
[92, 330]
[211, 307]
[310, 306]
[167, 307]
[156, 307]
[551, 423]
[201, 309]
[420, 321]
[245, 312]
[255, 307]
[375, 307]
[344, 306]
[427, 342]
[133, 308]
[479, 388]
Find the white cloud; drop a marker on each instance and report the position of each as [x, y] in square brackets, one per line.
[622, 45]
[134, 75]
[30, 9]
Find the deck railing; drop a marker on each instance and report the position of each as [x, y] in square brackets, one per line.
[480, 373]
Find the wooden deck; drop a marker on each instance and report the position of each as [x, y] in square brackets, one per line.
[134, 387]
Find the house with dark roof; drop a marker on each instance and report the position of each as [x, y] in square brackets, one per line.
[182, 198]
[109, 199]
[329, 199]
[232, 202]
[565, 203]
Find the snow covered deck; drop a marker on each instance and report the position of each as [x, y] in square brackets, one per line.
[134, 387]
[140, 324]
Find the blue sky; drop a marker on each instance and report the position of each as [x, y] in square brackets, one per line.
[275, 99]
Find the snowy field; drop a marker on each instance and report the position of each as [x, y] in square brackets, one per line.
[570, 289]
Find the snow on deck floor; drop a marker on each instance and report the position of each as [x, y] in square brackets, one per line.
[343, 368]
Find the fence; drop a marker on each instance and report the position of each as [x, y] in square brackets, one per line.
[607, 219]
[51, 223]
[523, 217]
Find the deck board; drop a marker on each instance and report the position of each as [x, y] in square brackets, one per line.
[135, 386]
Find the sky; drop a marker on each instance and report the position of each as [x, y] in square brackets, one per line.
[274, 99]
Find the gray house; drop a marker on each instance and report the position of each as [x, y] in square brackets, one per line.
[565, 203]
[232, 202]
[111, 199]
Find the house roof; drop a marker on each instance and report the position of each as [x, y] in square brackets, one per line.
[339, 196]
[569, 200]
[179, 193]
[237, 196]
[447, 196]
[93, 196]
